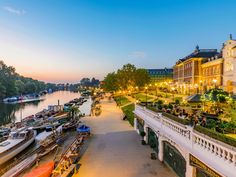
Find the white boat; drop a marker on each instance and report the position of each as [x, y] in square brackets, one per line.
[19, 168]
[17, 142]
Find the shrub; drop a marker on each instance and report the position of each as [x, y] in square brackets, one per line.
[218, 136]
[170, 106]
[176, 119]
[159, 102]
[128, 111]
[142, 134]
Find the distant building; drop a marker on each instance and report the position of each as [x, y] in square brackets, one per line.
[161, 75]
[229, 74]
[187, 71]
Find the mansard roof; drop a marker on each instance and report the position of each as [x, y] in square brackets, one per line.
[199, 53]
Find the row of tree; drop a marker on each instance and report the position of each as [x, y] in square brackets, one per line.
[11, 83]
[127, 78]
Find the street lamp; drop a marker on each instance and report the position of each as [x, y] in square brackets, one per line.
[201, 87]
[146, 88]
[214, 80]
[172, 88]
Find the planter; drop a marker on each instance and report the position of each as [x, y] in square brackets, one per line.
[143, 142]
[153, 156]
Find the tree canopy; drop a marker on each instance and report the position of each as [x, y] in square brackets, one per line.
[11, 83]
[126, 78]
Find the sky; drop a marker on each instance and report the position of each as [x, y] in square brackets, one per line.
[65, 40]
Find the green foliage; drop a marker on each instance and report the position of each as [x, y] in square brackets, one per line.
[141, 77]
[176, 119]
[216, 95]
[218, 136]
[128, 111]
[12, 84]
[128, 77]
[142, 97]
[121, 100]
[73, 111]
[111, 82]
[142, 134]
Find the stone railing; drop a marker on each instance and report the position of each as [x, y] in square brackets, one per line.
[218, 155]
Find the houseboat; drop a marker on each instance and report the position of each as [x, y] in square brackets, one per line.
[17, 141]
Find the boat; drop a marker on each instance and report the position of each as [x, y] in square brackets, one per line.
[22, 99]
[17, 141]
[19, 168]
[43, 170]
[48, 150]
[83, 129]
[70, 126]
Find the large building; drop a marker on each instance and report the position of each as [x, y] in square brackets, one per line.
[187, 71]
[212, 73]
[229, 73]
[206, 68]
[161, 75]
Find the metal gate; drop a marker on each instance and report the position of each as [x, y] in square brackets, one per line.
[153, 140]
[174, 159]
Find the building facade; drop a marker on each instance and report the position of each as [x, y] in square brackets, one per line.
[161, 75]
[229, 71]
[187, 71]
[212, 73]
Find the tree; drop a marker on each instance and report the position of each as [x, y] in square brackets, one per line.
[20, 86]
[141, 77]
[73, 111]
[126, 76]
[111, 82]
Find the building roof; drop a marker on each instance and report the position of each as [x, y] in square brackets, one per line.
[165, 69]
[160, 71]
[200, 53]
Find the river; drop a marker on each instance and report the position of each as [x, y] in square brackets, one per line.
[12, 112]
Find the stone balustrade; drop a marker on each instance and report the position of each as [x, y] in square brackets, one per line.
[218, 155]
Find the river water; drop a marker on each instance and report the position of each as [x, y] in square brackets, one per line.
[12, 112]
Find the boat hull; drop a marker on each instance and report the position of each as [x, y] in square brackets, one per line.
[44, 170]
[18, 169]
[16, 151]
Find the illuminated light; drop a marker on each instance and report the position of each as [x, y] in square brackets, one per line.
[146, 88]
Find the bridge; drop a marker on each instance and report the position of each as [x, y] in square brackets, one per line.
[187, 151]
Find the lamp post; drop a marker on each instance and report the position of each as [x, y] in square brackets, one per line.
[173, 94]
[146, 88]
[201, 87]
[214, 81]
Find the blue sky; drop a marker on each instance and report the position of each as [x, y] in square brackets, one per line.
[65, 40]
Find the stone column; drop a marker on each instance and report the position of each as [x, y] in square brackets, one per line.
[161, 149]
[189, 168]
[145, 129]
[136, 125]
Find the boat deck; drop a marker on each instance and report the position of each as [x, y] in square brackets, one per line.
[9, 143]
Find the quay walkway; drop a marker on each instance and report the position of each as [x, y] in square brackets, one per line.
[115, 149]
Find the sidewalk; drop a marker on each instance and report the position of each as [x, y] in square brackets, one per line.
[115, 149]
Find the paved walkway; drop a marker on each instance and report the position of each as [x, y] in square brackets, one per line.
[115, 149]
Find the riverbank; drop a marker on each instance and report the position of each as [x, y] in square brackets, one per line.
[13, 113]
[115, 149]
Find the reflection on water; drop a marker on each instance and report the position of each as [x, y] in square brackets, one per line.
[12, 112]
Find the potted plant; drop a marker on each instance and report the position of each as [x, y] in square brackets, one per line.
[142, 134]
[153, 154]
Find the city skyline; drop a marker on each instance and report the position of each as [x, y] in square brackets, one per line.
[66, 41]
